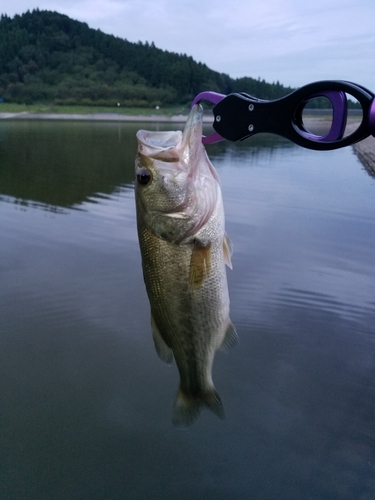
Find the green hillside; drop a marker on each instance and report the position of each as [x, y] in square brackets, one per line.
[46, 57]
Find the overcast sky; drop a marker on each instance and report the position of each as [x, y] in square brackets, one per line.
[294, 42]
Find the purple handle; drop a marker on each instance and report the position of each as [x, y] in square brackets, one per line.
[340, 113]
[213, 97]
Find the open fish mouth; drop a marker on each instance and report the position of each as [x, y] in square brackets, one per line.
[155, 144]
[158, 141]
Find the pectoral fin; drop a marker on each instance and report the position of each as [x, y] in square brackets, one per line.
[230, 338]
[228, 251]
[200, 263]
[164, 352]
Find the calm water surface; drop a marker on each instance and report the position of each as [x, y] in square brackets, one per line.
[86, 403]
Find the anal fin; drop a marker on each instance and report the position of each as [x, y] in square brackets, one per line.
[230, 338]
[164, 352]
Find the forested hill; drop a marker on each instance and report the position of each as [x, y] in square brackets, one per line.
[48, 57]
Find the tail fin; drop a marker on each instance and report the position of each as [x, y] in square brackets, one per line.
[188, 407]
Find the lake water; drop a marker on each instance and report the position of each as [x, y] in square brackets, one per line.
[85, 403]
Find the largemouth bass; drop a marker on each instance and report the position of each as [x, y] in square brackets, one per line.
[184, 247]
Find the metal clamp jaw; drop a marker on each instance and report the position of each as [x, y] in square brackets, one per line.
[239, 116]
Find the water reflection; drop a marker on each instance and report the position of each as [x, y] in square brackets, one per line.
[48, 164]
[85, 403]
[63, 164]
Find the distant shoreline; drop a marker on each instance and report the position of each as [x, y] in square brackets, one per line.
[112, 117]
[120, 117]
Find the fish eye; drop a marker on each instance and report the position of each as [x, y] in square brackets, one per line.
[143, 176]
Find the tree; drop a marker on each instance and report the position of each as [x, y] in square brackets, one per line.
[71, 62]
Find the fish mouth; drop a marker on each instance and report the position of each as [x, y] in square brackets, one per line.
[156, 142]
[173, 145]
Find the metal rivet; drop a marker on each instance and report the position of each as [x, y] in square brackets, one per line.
[218, 118]
[251, 107]
[251, 128]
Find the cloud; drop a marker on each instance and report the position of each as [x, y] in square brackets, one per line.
[290, 41]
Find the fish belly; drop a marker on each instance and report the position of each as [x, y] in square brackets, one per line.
[188, 317]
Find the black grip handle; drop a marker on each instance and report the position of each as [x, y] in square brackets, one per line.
[239, 116]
